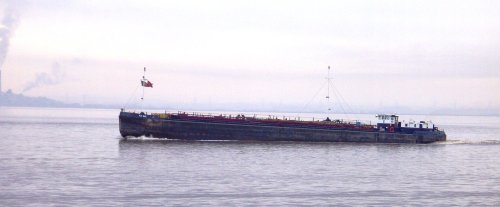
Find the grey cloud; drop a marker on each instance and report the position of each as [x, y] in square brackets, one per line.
[56, 76]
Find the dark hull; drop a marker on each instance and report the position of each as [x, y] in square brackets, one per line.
[132, 124]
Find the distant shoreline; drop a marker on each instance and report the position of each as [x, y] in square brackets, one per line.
[231, 111]
[10, 99]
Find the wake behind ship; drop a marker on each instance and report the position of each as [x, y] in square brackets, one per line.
[195, 126]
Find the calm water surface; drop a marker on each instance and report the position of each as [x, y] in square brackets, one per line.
[76, 157]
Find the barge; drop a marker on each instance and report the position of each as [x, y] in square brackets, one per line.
[197, 126]
[193, 126]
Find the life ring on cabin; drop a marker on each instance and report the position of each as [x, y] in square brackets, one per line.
[391, 129]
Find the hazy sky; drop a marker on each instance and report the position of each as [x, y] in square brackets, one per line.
[413, 54]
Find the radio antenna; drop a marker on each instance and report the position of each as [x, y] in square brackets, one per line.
[328, 95]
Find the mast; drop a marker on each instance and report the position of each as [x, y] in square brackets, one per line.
[142, 83]
[328, 95]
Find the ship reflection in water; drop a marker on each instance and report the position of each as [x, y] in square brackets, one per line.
[287, 173]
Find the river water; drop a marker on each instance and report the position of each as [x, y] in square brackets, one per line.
[76, 157]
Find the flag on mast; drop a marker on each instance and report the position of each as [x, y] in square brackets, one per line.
[145, 82]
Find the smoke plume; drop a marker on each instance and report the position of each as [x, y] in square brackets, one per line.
[56, 76]
[9, 21]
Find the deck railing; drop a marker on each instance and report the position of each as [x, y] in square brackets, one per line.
[261, 117]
